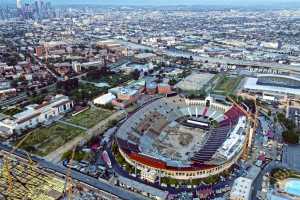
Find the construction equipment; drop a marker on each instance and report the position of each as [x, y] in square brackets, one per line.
[247, 113]
[69, 182]
[33, 182]
[253, 119]
[6, 167]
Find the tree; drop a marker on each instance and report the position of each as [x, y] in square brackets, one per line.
[14, 83]
[172, 82]
[68, 85]
[269, 113]
[289, 124]
[44, 91]
[135, 74]
[290, 137]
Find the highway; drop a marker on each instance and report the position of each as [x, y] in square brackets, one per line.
[99, 184]
[198, 57]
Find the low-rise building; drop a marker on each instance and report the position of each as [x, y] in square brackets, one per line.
[104, 99]
[35, 114]
[195, 82]
[274, 85]
[241, 189]
[128, 94]
[149, 175]
[164, 88]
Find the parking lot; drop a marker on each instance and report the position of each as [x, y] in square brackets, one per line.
[290, 157]
[294, 114]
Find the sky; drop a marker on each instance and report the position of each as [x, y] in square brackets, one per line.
[167, 2]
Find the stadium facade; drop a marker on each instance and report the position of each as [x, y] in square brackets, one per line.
[273, 84]
[184, 139]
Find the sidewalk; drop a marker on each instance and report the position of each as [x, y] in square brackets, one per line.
[98, 129]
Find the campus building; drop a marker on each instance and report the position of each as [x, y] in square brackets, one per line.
[35, 114]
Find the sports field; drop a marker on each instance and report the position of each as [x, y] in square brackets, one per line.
[90, 117]
[227, 84]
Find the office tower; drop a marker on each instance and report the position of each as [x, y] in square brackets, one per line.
[19, 4]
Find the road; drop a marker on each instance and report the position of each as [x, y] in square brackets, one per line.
[73, 125]
[98, 184]
[99, 128]
[198, 57]
[46, 66]
[271, 152]
[55, 156]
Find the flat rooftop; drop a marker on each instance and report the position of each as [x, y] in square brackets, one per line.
[251, 84]
[195, 81]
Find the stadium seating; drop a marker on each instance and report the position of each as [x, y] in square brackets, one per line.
[216, 139]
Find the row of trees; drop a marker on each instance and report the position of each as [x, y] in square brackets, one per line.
[291, 134]
[79, 92]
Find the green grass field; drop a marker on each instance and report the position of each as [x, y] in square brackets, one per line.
[90, 117]
[112, 79]
[43, 141]
[227, 85]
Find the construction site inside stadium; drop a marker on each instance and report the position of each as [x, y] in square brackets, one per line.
[184, 139]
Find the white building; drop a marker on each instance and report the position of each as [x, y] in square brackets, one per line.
[274, 85]
[270, 45]
[149, 175]
[76, 66]
[19, 4]
[36, 114]
[104, 99]
[241, 189]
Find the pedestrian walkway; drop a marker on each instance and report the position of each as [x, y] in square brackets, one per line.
[73, 125]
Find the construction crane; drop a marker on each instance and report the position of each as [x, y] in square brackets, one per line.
[69, 181]
[252, 118]
[6, 164]
[247, 113]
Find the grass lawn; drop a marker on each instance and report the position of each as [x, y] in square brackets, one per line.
[112, 79]
[227, 85]
[86, 92]
[90, 117]
[43, 141]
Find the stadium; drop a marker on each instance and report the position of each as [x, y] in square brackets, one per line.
[274, 84]
[184, 139]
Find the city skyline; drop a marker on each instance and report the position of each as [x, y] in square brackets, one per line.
[171, 3]
[158, 100]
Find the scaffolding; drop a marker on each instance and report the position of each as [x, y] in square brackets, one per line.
[19, 179]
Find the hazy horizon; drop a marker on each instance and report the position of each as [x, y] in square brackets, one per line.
[169, 2]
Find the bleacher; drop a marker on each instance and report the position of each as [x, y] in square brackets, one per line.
[232, 115]
[216, 139]
[127, 146]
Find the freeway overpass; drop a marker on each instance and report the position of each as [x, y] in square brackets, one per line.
[198, 57]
